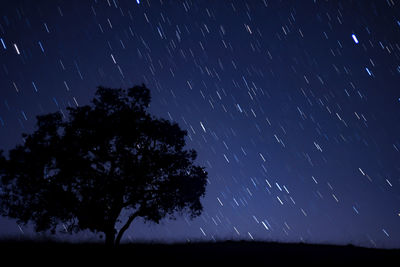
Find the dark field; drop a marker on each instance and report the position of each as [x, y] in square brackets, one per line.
[192, 254]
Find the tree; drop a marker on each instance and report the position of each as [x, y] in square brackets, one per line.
[106, 161]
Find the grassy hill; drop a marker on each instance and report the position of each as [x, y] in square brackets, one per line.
[192, 254]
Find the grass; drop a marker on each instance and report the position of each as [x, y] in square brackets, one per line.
[188, 254]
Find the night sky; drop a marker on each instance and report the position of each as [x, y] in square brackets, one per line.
[292, 106]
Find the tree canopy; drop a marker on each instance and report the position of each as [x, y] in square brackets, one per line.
[103, 160]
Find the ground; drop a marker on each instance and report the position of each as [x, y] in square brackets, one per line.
[189, 254]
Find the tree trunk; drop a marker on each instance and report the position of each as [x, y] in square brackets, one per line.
[110, 238]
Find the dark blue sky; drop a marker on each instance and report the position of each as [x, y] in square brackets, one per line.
[293, 106]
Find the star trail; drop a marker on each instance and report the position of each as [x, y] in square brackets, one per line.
[292, 106]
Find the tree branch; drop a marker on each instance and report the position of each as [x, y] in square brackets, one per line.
[125, 227]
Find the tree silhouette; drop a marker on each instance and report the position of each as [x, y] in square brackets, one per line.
[108, 162]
